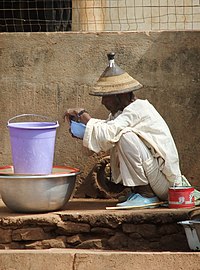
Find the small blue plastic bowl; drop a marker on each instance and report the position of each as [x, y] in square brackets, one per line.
[77, 129]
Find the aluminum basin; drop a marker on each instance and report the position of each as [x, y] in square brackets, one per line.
[37, 193]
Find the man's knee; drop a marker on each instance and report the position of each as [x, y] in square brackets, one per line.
[127, 138]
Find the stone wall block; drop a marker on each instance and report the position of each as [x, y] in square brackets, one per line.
[3, 246]
[145, 230]
[118, 241]
[48, 229]
[5, 236]
[58, 242]
[101, 220]
[12, 245]
[174, 242]
[35, 245]
[135, 236]
[138, 245]
[29, 234]
[103, 231]
[169, 229]
[93, 244]
[72, 228]
[154, 246]
[105, 221]
[75, 239]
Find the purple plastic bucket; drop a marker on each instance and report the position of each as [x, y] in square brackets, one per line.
[32, 145]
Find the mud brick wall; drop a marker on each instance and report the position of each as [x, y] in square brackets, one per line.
[123, 231]
[46, 73]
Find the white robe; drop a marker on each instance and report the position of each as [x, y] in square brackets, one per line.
[143, 119]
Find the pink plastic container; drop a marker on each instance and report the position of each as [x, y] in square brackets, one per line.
[32, 145]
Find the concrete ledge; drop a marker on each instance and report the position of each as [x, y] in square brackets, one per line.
[91, 259]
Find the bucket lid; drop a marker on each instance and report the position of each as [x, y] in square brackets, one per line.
[114, 80]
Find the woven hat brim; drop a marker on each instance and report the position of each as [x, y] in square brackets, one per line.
[118, 84]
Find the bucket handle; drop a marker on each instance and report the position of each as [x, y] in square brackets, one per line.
[29, 114]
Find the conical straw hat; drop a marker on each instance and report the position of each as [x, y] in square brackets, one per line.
[114, 80]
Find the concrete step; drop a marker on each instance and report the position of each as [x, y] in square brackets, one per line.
[59, 259]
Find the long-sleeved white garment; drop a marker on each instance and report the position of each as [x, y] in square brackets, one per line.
[143, 119]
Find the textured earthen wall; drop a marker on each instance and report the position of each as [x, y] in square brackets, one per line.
[46, 73]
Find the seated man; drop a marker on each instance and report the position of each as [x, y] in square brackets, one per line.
[142, 150]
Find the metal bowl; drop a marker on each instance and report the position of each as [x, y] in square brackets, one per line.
[37, 193]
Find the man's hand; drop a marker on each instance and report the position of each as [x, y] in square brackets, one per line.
[72, 114]
[77, 114]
